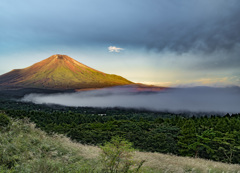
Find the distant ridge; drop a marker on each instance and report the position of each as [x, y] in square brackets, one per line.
[60, 72]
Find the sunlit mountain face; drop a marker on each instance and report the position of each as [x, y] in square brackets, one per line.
[60, 72]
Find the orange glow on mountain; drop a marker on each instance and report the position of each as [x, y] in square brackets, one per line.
[60, 72]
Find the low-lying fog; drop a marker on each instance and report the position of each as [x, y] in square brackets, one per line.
[195, 99]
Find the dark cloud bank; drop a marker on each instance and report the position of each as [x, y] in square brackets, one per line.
[207, 28]
[196, 99]
[178, 26]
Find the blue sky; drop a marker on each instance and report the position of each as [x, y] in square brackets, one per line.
[164, 42]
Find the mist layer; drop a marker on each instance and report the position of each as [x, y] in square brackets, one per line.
[196, 99]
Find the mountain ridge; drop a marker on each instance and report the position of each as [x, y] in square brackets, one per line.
[60, 72]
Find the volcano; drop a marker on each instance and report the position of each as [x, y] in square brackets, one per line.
[60, 72]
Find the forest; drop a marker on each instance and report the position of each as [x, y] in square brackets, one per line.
[207, 136]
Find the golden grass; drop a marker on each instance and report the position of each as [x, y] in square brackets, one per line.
[160, 162]
[155, 162]
[171, 163]
[86, 151]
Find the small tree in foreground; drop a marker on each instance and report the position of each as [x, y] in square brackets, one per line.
[117, 157]
[4, 121]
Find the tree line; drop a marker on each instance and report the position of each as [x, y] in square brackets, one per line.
[210, 137]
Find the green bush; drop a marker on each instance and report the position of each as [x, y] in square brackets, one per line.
[117, 156]
[4, 121]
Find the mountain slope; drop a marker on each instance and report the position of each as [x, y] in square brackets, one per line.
[60, 72]
[25, 148]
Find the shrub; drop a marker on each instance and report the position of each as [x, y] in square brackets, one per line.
[4, 121]
[117, 156]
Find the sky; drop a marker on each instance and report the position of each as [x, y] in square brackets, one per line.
[160, 42]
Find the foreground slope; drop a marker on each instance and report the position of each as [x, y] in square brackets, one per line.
[60, 72]
[27, 149]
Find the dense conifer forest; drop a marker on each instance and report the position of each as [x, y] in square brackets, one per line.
[211, 137]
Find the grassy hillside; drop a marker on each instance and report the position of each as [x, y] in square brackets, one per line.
[24, 148]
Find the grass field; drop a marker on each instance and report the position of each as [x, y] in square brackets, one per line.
[24, 148]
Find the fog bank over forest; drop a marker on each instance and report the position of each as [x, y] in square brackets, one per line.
[194, 99]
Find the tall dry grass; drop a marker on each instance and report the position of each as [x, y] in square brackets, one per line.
[177, 164]
[32, 150]
[157, 162]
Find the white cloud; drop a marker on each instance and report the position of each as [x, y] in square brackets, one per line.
[114, 49]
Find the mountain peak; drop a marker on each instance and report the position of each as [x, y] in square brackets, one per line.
[59, 56]
[60, 72]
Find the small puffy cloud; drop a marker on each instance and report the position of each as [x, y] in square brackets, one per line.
[114, 49]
